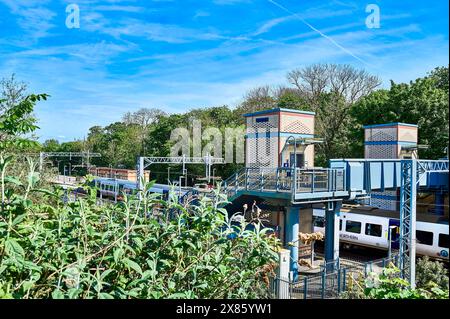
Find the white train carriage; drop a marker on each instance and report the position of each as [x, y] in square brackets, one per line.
[369, 227]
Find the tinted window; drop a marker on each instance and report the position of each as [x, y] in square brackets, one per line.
[443, 240]
[424, 237]
[353, 227]
[373, 230]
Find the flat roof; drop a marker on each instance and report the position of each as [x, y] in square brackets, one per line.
[389, 124]
[279, 109]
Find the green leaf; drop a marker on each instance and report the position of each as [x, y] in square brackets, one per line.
[13, 180]
[117, 254]
[178, 295]
[105, 295]
[138, 242]
[188, 242]
[18, 219]
[46, 192]
[14, 249]
[57, 294]
[106, 273]
[28, 285]
[73, 293]
[133, 265]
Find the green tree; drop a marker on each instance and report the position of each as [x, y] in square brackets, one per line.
[16, 122]
[12, 92]
[331, 90]
[51, 145]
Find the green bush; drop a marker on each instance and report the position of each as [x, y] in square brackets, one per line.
[140, 248]
[389, 285]
[429, 272]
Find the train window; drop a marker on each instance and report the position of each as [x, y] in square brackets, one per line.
[424, 237]
[373, 230]
[443, 240]
[340, 224]
[353, 227]
[319, 222]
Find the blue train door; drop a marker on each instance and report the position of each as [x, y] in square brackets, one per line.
[395, 233]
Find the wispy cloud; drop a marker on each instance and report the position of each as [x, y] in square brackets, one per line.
[319, 32]
[118, 8]
[34, 19]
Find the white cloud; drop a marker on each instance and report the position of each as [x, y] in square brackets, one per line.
[33, 18]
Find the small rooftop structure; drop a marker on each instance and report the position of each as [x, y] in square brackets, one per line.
[267, 133]
[390, 141]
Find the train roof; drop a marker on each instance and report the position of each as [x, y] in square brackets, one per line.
[374, 211]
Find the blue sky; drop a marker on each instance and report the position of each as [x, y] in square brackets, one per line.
[182, 54]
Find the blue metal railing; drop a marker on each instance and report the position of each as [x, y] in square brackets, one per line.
[285, 179]
[328, 284]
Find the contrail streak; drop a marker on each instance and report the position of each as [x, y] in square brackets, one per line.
[318, 31]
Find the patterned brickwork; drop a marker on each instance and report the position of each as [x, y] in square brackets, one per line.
[381, 151]
[296, 123]
[268, 132]
[407, 134]
[381, 134]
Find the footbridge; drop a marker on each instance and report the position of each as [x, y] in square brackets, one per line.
[345, 179]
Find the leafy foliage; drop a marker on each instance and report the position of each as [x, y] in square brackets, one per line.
[141, 248]
[16, 121]
[389, 285]
[430, 272]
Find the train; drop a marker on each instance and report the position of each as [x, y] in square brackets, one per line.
[369, 227]
[115, 189]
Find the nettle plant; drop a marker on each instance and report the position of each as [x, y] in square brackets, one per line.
[143, 247]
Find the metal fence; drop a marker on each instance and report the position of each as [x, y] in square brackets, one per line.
[330, 282]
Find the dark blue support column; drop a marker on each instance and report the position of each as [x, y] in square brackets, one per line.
[292, 220]
[332, 232]
[439, 202]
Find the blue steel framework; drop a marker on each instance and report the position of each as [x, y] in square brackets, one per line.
[408, 193]
[412, 174]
